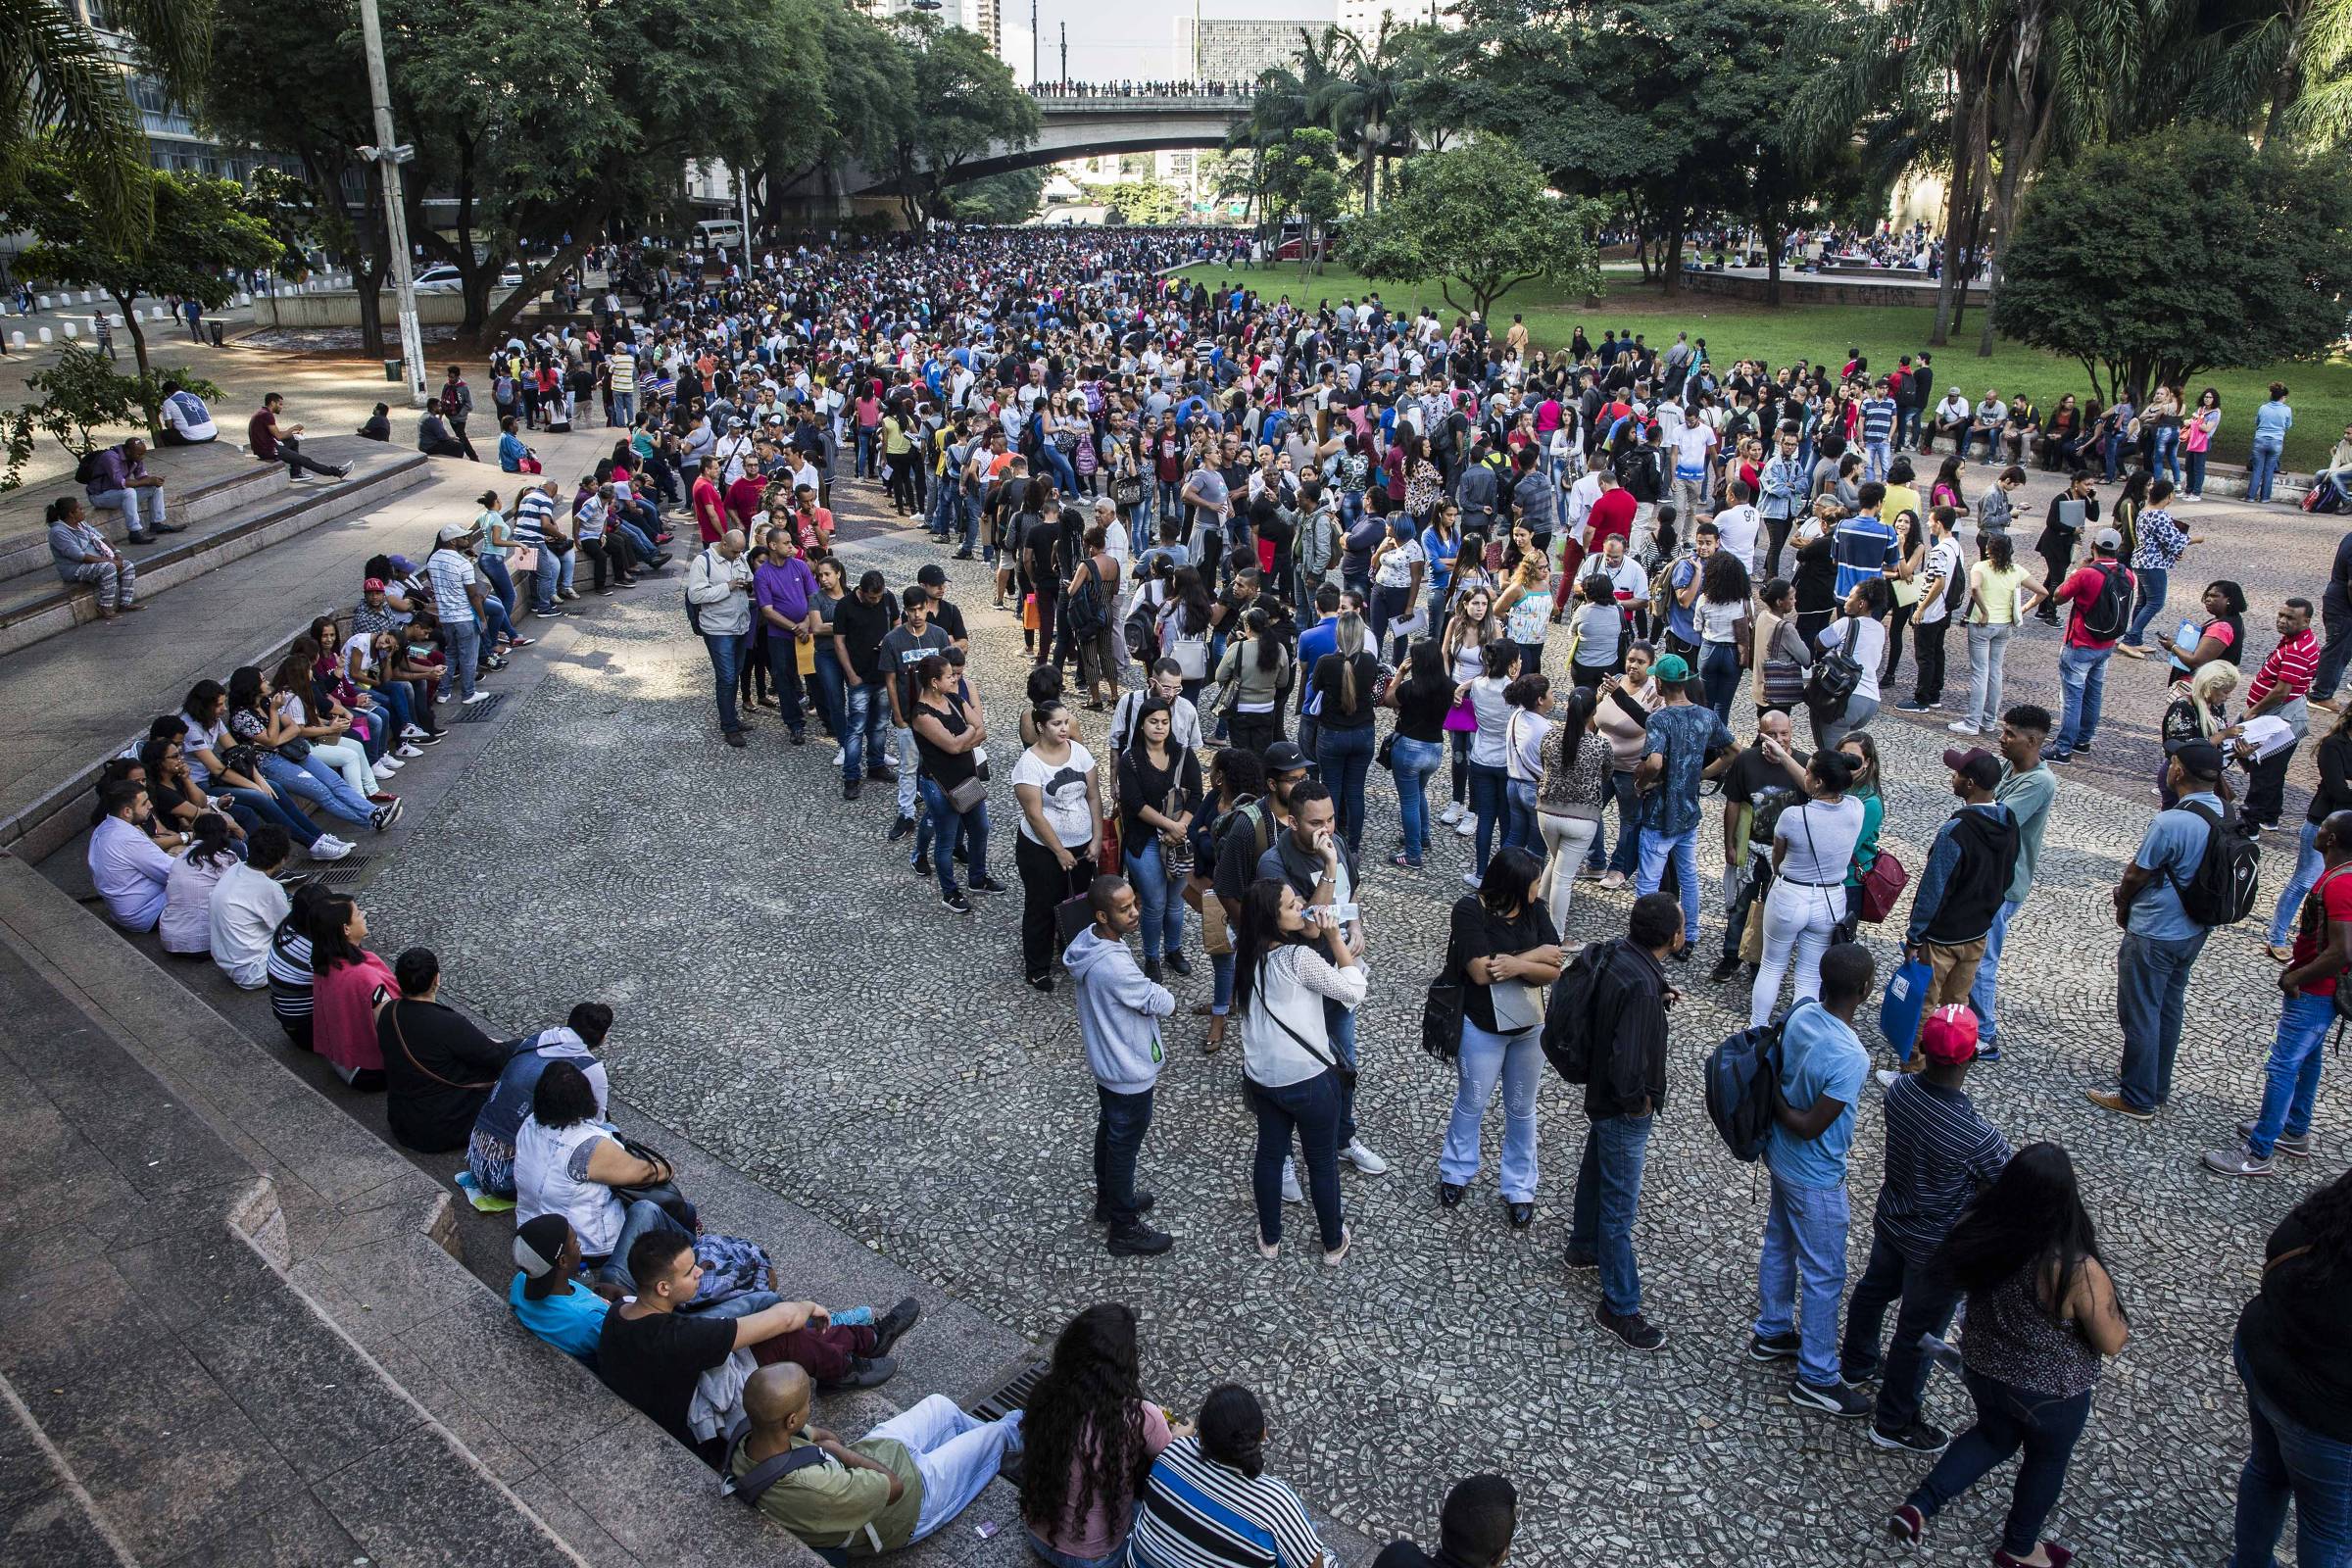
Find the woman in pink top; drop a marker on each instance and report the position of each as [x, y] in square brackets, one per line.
[350, 983]
[1090, 1436]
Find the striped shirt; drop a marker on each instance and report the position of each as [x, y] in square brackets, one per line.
[532, 513]
[2291, 664]
[451, 574]
[290, 977]
[1939, 1152]
[1199, 1513]
[1864, 546]
[624, 372]
[1878, 419]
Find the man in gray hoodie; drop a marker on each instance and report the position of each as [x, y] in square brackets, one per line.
[1118, 1017]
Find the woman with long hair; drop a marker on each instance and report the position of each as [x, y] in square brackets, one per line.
[347, 983]
[1994, 611]
[286, 759]
[1472, 625]
[949, 727]
[1088, 1439]
[1904, 582]
[1061, 825]
[1346, 680]
[1568, 796]
[1621, 713]
[2199, 710]
[2198, 429]
[1526, 601]
[185, 924]
[1524, 728]
[1504, 951]
[1721, 620]
[1422, 696]
[1398, 567]
[1862, 747]
[2041, 1316]
[1948, 488]
[1209, 1502]
[1252, 678]
[2293, 1350]
[1288, 1062]
[1186, 621]
[1812, 844]
[324, 724]
[1489, 757]
[1159, 800]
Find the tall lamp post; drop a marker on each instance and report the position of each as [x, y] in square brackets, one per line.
[389, 155]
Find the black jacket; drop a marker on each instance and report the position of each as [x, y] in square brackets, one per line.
[1629, 1033]
[1976, 886]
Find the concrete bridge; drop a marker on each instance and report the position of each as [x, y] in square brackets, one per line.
[1075, 127]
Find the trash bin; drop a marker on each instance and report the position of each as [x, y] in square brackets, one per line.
[213, 328]
[392, 369]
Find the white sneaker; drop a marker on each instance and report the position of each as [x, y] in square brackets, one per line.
[1470, 880]
[1962, 726]
[1452, 812]
[330, 848]
[478, 697]
[1363, 1159]
[1289, 1185]
[387, 766]
[1467, 825]
[408, 753]
[839, 756]
[412, 732]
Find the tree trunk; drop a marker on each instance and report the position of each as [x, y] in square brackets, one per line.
[368, 276]
[2287, 84]
[1772, 259]
[1958, 208]
[1672, 264]
[138, 339]
[2021, 138]
[536, 282]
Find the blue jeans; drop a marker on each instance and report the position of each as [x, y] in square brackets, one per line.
[968, 828]
[2167, 454]
[1517, 1061]
[2291, 1463]
[865, 720]
[2009, 1418]
[1169, 496]
[1414, 762]
[1626, 859]
[2151, 989]
[2082, 679]
[2291, 1079]
[643, 1216]
[1345, 757]
[829, 687]
[625, 408]
[1120, 1123]
[2309, 864]
[727, 663]
[2153, 582]
[2196, 474]
[276, 808]
[957, 1454]
[1874, 458]
[1681, 848]
[1161, 901]
[1489, 799]
[1719, 669]
[1309, 1109]
[1520, 829]
[868, 440]
[1981, 994]
[1220, 970]
[1608, 1198]
[321, 785]
[494, 568]
[2262, 467]
[1801, 1276]
[465, 651]
[1928, 1304]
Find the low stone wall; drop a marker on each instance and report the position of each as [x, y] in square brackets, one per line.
[341, 308]
[1805, 289]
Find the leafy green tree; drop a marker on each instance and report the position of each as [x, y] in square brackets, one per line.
[1008, 198]
[82, 396]
[63, 84]
[1142, 202]
[966, 102]
[1476, 219]
[2247, 262]
[199, 231]
[1301, 177]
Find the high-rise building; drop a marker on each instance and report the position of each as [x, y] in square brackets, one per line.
[1362, 17]
[1214, 49]
[174, 140]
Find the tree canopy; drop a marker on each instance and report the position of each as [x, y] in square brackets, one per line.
[1476, 219]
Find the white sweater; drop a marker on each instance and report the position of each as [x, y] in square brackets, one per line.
[1292, 986]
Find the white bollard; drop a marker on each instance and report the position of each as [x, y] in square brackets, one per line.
[44, 303]
[244, 299]
[16, 341]
[87, 298]
[45, 334]
[69, 331]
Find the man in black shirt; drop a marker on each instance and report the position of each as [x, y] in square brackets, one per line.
[859, 624]
[1474, 1530]
[914, 640]
[1627, 1088]
[439, 1069]
[945, 615]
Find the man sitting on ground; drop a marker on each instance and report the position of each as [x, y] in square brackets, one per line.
[1474, 1529]
[273, 442]
[439, 1068]
[246, 906]
[490, 1154]
[187, 422]
[127, 864]
[548, 1294]
[896, 1486]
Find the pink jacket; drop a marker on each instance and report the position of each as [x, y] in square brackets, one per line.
[343, 1014]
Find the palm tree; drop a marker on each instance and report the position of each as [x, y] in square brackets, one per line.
[2286, 66]
[60, 78]
[1361, 90]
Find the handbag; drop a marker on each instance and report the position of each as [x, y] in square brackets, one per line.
[1461, 718]
[804, 654]
[1881, 885]
[1126, 492]
[524, 557]
[663, 1194]
[967, 795]
[1518, 1007]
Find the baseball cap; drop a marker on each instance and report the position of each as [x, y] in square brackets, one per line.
[538, 1246]
[2107, 539]
[374, 585]
[2200, 759]
[1672, 667]
[1973, 763]
[1284, 757]
[452, 532]
[933, 574]
[1947, 1034]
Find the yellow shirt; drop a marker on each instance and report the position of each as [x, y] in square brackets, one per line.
[1902, 498]
[1996, 595]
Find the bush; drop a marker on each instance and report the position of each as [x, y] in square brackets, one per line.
[83, 395]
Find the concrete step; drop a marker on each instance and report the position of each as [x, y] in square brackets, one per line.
[239, 514]
[199, 502]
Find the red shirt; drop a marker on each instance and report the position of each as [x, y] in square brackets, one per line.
[2292, 663]
[2330, 900]
[744, 496]
[2080, 590]
[260, 436]
[1612, 514]
[709, 512]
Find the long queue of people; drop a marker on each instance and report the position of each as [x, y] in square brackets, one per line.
[1295, 520]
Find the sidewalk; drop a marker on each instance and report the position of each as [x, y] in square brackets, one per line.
[68, 701]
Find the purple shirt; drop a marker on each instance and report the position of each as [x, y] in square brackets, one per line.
[785, 587]
[115, 472]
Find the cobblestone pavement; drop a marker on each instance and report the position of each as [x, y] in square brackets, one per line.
[794, 999]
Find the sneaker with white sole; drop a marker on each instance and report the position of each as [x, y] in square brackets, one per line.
[839, 756]
[1472, 881]
[1290, 1192]
[1466, 825]
[2292, 1147]
[409, 751]
[1834, 1398]
[2240, 1161]
[1363, 1159]
[1451, 815]
[386, 764]
[1963, 726]
[478, 697]
[328, 848]
[414, 732]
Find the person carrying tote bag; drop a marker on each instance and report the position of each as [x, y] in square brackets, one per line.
[1504, 951]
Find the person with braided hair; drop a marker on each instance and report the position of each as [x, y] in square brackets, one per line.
[1090, 1438]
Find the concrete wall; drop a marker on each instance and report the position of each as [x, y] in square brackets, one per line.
[341, 308]
[1803, 288]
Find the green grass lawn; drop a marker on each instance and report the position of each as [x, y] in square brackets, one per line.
[1736, 329]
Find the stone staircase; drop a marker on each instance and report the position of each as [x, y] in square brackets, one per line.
[230, 505]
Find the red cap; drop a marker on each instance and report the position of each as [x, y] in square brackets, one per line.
[374, 585]
[1949, 1034]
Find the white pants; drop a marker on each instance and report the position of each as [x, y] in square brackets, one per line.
[958, 1455]
[1799, 920]
[348, 757]
[1566, 839]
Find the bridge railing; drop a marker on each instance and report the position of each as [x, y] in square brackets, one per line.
[1234, 96]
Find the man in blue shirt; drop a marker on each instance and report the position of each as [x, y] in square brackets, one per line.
[1800, 1278]
[1864, 543]
[2161, 941]
[1878, 430]
[546, 1295]
[1323, 637]
[1679, 736]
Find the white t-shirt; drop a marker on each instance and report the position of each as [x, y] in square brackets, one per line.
[1063, 788]
[185, 923]
[1690, 446]
[1485, 701]
[244, 912]
[1737, 528]
[1523, 733]
[1718, 623]
[1821, 836]
[1869, 650]
[1943, 564]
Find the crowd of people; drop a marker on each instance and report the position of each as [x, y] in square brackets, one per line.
[1234, 533]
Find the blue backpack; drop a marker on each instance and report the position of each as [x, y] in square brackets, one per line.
[1743, 1085]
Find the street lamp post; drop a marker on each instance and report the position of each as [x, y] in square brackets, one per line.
[390, 155]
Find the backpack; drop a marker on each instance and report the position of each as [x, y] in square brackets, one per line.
[1086, 614]
[86, 471]
[2222, 888]
[1744, 1084]
[1567, 1037]
[2110, 609]
[1254, 810]
[1834, 676]
[753, 1482]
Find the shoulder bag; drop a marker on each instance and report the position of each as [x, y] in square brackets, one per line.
[1442, 1010]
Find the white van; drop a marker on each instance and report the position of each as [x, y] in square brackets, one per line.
[712, 232]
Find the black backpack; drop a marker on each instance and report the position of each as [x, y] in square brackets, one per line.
[1568, 1017]
[2110, 609]
[1743, 1085]
[2222, 888]
[753, 1482]
[1834, 676]
[86, 471]
[1086, 614]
